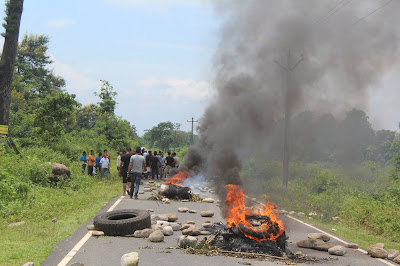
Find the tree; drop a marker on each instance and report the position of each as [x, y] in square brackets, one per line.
[107, 97]
[32, 77]
[55, 114]
[7, 62]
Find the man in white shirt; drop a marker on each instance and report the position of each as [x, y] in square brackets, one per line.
[104, 166]
[136, 168]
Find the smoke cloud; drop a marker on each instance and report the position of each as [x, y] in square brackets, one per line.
[344, 57]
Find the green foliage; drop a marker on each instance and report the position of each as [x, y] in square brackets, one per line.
[107, 98]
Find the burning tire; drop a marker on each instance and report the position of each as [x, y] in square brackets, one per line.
[122, 222]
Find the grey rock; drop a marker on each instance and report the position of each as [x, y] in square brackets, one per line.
[206, 213]
[143, 233]
[150, 210]
[323, 246]
[156, 227]
[205, 233]
[208, 200]
[91, 227]
[167, 231]
[337, 250]
[217, 204]
[308, 243]
[321, 236]
[130, 259]
[54, 220]
[392, 253]
[397, 259]
[185, 226]
[187, 232]
[192, 211]
[175, 226]
[17, 224]
[169, 217]
[207, 225]
[196, 232]
[156, 236]
[190, 222]
[377, 252]
[352, 245]
[166, 200]
[29, 264]
[377, 245]
[97, 233]
[187, 241]
[183, 209]
[163, 223]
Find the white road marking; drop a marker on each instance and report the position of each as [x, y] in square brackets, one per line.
[81, 242]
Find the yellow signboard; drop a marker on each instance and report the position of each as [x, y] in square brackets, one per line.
[3, 130]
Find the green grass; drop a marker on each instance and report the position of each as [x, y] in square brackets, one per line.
[358, 235]
[34, 240]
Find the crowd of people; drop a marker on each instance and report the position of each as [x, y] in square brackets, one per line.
[132, 166]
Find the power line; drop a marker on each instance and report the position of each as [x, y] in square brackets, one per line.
[330, 10]
[382, 6]
[345, 4]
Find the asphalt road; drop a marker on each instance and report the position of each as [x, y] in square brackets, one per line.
[83, 248]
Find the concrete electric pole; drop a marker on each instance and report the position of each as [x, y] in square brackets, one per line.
[192, 121]
[288, 68]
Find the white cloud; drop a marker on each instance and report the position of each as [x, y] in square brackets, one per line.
[77, 83]
[58, 23]
[150, 82]
[188, 88]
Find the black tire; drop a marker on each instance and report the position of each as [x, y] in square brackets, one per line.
[122, 222]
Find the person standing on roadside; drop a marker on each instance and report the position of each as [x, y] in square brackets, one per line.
[136, 166]
[104, 166]
[154, 163]
[84, 161]
[97, 161]
[123, 170]
[169, 162]
[176, 160]
[106, 154]
[91, 163]
[119, 160]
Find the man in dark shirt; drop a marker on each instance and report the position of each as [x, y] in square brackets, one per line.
[170, 163]
[123, 170]
[154, 163]
[148, 168]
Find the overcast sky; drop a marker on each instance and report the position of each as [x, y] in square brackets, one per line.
[156, 53]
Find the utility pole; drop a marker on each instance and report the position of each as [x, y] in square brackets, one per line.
[192, 121]
[288, 68]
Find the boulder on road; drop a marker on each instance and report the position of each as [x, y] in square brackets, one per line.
[187, 241]
[130, 259]
[352, 245]
[167, 231]
[392, 253]
[208, 200]
[377, 252]
[308, 243]
[323, 246]
[337, 250]
[156, 236]
[320, 236]
[143, 233]
[377, 245]
[397, 259]
[206, 213]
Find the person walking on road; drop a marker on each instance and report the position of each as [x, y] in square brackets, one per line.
[119, 160]
[148, 168]
[169, 161]
[91, 163]
[123, 170]
[137, 165]
[84, 161]
[154, 163]
[104, 166]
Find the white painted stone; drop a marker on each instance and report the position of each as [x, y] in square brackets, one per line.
[130, 259]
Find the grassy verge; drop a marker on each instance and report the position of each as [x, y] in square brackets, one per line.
[34, 240]
[358, 235]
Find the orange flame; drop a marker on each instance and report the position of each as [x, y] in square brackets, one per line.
[178, 179]
[237, 211]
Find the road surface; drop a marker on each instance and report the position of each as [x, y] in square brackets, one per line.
[83, 248]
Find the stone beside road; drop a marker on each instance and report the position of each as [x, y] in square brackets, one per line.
[377, 252]
[156, 236]
[97, 233]
[392, 253]
[320, 236]
[143, 233]
[337, 250]
[352, 245]
[206, 213]
[208, 200]
[130, 259]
